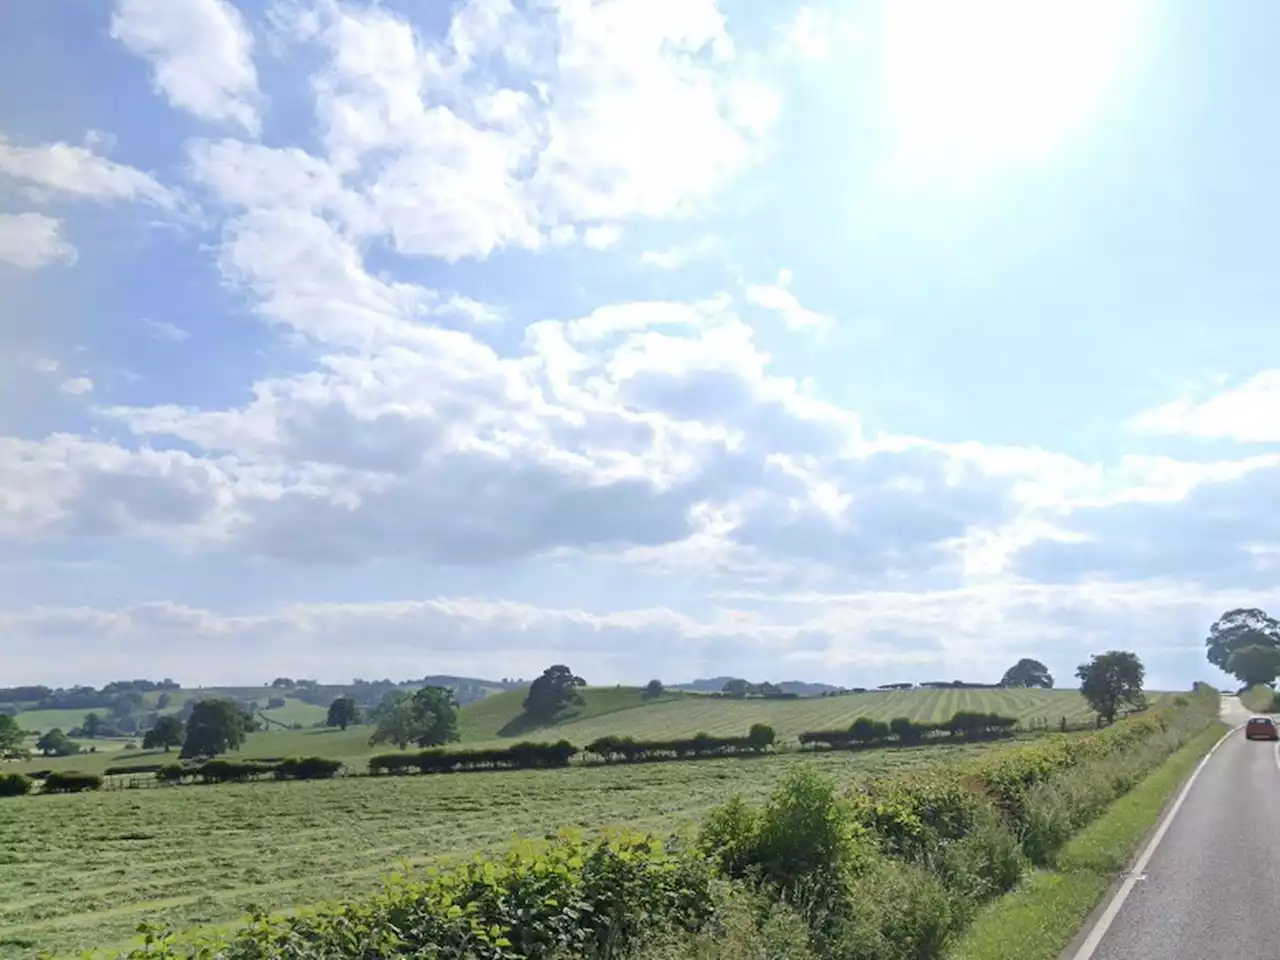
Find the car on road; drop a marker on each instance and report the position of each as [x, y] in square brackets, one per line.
[1261, 728]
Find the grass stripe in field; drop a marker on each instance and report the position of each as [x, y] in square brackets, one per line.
[1038, 920]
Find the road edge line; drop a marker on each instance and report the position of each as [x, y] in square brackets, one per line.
[1099, 930]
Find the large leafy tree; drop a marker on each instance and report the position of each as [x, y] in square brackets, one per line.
[1028, 673]
[1255, 664]
[552, 692]
[1237, 629]
[10, 735]
[343, 712]
[56, 743]
[215, 726]
[1111, 680]
[168, 732]
[429, 718]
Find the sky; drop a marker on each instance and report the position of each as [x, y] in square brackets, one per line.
[847, 342]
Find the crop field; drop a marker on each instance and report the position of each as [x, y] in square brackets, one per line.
[82, 871]
[718, 717]
[623, 711]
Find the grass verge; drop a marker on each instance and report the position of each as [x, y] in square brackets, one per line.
[1038, 920]
[1259, 698]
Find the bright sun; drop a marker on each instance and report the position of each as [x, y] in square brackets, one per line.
[981, 80]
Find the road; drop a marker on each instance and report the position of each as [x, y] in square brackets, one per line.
[1210, 887]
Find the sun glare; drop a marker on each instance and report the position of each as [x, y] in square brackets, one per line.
[981, 80]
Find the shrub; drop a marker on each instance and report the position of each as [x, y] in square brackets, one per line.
[70, 782]
[567, 898]
[171, 773]
[14, 785]
[307, 768]
[232, 771]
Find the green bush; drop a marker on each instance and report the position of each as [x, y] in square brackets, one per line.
[232, 771]
[172, 773]
[308, 768]
[567, 898]
[70, 782]
[14, 785]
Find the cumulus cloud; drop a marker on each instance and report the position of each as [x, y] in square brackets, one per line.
[1249, 413]
[32, 240]
[61, 168]
[200, 52]
[778, 298]
[164, 330]
[77, 386]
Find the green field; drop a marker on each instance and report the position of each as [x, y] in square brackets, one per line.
[623, 711]
[82, 871]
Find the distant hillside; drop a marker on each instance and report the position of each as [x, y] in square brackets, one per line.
[502, 715]
[799, 687]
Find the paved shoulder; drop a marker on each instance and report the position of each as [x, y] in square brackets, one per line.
[1210, 889]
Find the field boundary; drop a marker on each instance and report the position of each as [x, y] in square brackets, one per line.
[1056, 913]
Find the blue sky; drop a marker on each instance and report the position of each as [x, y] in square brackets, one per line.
[855, 342]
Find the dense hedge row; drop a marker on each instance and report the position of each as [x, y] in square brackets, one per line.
[241, 771]
[71, 782]
[891, 870]
[701, 746]
[864, 732]
[520, 756]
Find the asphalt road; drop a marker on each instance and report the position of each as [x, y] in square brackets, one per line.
[1211, 888]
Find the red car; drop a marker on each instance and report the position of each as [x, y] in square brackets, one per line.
[1261, 728]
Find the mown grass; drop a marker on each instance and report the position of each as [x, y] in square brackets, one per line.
[722, 717]
[624, 711]
[82, 871]
[1039, 920]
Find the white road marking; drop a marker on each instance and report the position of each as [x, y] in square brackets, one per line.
[1091, 943]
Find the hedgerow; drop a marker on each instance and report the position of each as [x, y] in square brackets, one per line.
[568, 898]
[702, 745]
[520, 756]
[70, 782]
[865, 732]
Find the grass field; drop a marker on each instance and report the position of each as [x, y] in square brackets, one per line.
[610, 710]
[82, 871]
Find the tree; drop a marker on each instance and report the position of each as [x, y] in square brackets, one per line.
[552, 692]
[163, 701]
[1110, 680]
[57, 744]
[1242, 627]
[216, 726]
[653, 690]
[1028, 673]
[737, 688]
[127, 703]
[92, 726]
[429, 718]
[343, 712]
[282, 683]
[168, 732]
[11, 735]
[1255, 664]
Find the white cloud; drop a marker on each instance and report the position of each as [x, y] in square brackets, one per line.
[637, 112]
[778, 298]
[163, 330]
[32, 240]
[602, 237]
[77, 171]
[672, 258]
[201, 55]
[1249, 413]
[77, 386]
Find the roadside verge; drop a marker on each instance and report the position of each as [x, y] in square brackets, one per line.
[1039, 919]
